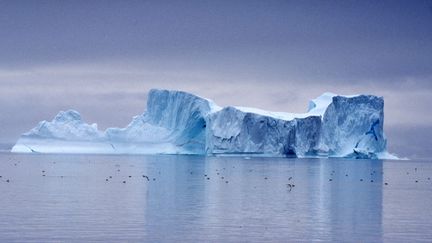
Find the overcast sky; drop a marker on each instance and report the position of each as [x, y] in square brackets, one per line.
[101, 58]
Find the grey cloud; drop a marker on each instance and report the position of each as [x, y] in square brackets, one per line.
[274, 55]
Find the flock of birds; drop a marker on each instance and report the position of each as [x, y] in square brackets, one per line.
[124, 181]
[219, 173]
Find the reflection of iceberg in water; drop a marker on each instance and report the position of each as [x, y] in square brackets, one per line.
[256, 204]
[348, 207]
[344, 209]
[175, 201]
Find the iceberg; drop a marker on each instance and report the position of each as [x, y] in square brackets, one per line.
[354, 125]
[178, 122]
[236, 130]
[174, 119]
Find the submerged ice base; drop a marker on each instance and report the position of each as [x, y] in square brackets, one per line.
[177, 122]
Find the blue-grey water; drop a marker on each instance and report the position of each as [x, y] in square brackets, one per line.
[64, 198]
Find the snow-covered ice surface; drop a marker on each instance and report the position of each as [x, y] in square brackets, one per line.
[177, 122]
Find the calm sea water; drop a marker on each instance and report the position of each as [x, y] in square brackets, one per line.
[56, 198]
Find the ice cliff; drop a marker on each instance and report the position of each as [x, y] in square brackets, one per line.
[177, 122]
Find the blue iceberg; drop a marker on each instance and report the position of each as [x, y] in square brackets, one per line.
[178, 122]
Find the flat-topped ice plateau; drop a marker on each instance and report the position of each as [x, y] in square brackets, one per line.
[178, 122]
